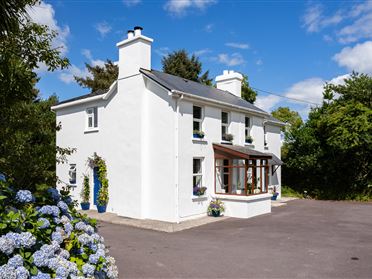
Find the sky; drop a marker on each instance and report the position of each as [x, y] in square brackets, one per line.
[289, 48]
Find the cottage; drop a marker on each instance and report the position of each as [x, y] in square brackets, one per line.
[164, 137]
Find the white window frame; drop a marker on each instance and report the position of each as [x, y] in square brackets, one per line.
[197, 119]
[227, 125]
[265, 136]
[201, 173]
[247, 130]
[92, 113]
[72, 174]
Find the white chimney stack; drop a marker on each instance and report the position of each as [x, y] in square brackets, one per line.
[230, 81]
[134, 53]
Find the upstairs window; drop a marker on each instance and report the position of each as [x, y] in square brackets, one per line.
[197, 118]
[224, 124]
[92, 118]
[72, 174]
[247, 126]
[265, 136]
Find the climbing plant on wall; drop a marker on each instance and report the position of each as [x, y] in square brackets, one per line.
[100, 163]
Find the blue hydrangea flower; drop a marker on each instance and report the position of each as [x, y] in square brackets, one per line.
[68, 227]
[57, 236]
[89, 229]
[68, 200]
[46, 223]
[63, 206]
[7, 245]
[27, 239]
[15, 238]
[7, 272]
[50, 210]
[85, 239]
[64, 254]
[54, 193]
[93, 247]
[88, 269]
[24, 196]
[16, 261]
[80, 226]
[94, 258]
[65, 219]
[40, 258]
[22, 273]
[56, 220]
[100, 252]
[62, 272]
[41, 275]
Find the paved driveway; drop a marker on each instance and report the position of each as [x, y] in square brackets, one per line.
[304, 239]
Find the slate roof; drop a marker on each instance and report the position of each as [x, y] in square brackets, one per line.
[95, 93]
[244, 150]
[172, 82]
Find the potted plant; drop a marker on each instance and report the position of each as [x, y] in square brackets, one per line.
[85, 194]
[228, 137]
[198, 134]
[275, 194]
[248, 139]
[215, 208]
[199, 191]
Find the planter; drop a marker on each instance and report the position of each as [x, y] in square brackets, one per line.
[273, 198]
[101, 208]
[216, 213]
[85, 205]
[197, 136]
[249, 141]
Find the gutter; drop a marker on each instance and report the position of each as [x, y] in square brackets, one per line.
[278, 123]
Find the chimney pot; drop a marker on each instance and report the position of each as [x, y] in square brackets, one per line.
[137, 30]
[225, 72]
[130, 34]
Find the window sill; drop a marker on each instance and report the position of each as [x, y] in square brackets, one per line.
[266, 148]
[250, 145]
[96, 130]
[226, 142]
[199, 198]
[199, 140]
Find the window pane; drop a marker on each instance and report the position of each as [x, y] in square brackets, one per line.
[196, 166]
[225, 117]
[197, 181]
[196, 125]
[197, 112]
[247, 122]
[90, 121]
[95, 113]
[72, 174]
[223, 130]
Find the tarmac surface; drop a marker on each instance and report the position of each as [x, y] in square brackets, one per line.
[303, 239]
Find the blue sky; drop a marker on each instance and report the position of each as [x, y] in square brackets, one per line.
[286, 47]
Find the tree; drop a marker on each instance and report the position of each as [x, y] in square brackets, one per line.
[27, 126]
[248, 93]
[102, 77]
[180, 64]
[331, 154]
[288, 116]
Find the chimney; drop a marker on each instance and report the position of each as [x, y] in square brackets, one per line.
[230, 81]
[134, 53]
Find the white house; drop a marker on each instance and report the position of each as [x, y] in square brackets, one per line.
[143, 127]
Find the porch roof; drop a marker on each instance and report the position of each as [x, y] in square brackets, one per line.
[241, 151]
[275, 160]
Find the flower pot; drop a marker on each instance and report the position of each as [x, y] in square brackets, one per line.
[216, 213]
[197, 136]
[85, 205]
[101, 208]
[273, 198]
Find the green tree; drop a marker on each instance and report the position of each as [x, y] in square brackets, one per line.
[27, 126]
[248, 93]
[102, 77]
[331, 154]
[179, 63]
[288, 116]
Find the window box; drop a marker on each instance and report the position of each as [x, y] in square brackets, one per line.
[248, 139]
[197, 134]
[227, 137]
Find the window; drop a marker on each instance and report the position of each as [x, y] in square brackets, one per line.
[197, 118]
[224, 124]
[72, 174]
[247, 127]
[197, 172]
[265, 136]
[92, 118]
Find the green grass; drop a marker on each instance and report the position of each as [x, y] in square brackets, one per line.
[289, 192]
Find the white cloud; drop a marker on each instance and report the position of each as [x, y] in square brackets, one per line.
[359, 29]
[238, 45]
[103, 28]
[68, 75]
[131, 3]
[230, 60]
[259, 62]
[94, 62]
[180, 7]
[201, 52]
[358, 58]
[162, 51]
[209, 28]
[44, 14]
[267, 102]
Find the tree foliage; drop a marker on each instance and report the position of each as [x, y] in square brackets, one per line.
[102, 76]
[248, 93]
[330, 156]
[288, 116]
[27, 126]
[179, 63]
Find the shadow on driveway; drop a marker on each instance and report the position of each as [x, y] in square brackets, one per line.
[305, 239]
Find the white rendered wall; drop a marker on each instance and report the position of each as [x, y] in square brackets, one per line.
[274, 146]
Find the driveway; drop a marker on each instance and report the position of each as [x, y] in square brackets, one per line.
[304, 239]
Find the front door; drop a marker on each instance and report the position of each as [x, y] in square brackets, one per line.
[97, 184]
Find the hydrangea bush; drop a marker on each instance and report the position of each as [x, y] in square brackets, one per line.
[43, 236]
